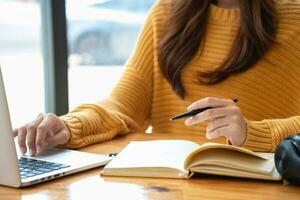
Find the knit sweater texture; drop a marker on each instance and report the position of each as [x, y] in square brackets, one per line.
[268, 93]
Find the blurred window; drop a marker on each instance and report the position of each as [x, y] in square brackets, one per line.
[101, 37]
[21, 58]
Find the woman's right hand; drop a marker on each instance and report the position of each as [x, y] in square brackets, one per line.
[47, 130]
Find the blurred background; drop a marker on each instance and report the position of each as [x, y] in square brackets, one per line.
[101, 35]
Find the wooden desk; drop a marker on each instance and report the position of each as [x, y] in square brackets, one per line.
[89, 185]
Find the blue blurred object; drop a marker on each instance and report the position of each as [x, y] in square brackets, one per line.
[100, 32]
[104, 32]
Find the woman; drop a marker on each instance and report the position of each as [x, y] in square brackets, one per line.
[193, 54]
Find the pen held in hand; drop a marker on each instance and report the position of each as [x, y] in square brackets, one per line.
[193, 112]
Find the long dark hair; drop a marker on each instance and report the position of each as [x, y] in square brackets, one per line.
[186, 29]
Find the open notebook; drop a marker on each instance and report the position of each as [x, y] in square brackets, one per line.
[181, 159]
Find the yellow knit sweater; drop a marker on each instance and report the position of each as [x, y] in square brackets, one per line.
[268, 93]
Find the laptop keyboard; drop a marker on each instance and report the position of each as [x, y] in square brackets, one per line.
[31, 167]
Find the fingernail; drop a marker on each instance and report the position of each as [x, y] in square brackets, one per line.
[208, 136]
[22, 150]
[188, 122]
[31, 152]
[38, 150]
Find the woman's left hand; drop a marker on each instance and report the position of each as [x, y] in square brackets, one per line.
[225, 119]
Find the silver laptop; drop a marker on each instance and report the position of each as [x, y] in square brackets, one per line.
[18, 170]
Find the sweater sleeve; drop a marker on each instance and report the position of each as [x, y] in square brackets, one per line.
[265, 135]
[128, 107]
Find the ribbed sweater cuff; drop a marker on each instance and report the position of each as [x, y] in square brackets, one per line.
[258, 136]
[75, 127]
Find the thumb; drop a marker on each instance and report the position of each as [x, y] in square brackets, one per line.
[60, 138]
